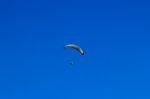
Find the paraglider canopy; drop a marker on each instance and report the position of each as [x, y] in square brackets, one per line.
[76, 47]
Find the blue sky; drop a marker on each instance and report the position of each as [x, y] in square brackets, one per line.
[114, 33]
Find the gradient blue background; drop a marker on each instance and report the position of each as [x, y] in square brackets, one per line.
[114, 33]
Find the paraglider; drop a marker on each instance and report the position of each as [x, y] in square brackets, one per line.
[72, 63]
[77, 48]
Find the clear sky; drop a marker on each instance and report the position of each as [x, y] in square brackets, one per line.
[114, 33]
